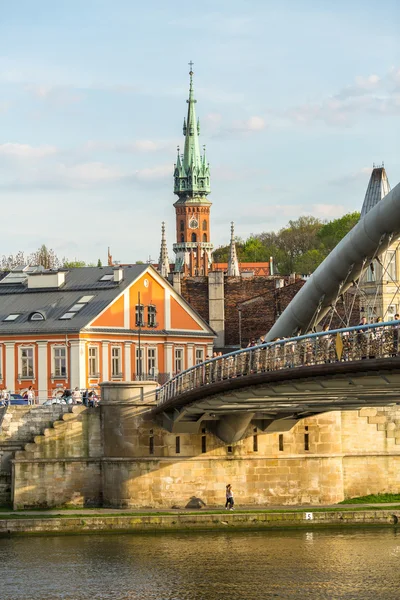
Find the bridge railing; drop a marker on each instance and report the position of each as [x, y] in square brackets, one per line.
[362, 342]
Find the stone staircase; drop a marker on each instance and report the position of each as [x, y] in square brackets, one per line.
[19, 425]
[386, 418]
[62, 438]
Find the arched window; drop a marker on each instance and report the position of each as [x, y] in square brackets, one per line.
[204, 225]
[204, 237]
[182, 225]
[194, 237]
[182, 238]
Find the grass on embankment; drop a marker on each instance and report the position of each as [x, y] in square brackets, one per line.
[373, 499]
[43, 514]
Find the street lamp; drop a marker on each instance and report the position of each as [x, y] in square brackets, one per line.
[240, 326]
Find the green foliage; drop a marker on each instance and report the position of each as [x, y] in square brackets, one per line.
[372, 499]
[331, 233]
[99, 263]
[74, 264]
[300, 247]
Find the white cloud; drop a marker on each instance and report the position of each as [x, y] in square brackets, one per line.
[134, 147]
[255, 124]
[359, 174]
[26, 151]
[154, 173]
[369, 94]
[58, 95]
[327, 211]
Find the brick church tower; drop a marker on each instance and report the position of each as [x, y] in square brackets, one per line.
[192, 185]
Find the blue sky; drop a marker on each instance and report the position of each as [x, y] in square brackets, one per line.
[296, 101]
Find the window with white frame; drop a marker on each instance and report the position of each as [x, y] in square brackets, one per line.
[139, 362]
[178, 360]
[391, 311]
[139, 315]
[371, 272]
[391, 266]
[116, 361]
[26, 362]
[60, 361]
[199, 355]
[93, 361]
[151, 316]
[151, 361]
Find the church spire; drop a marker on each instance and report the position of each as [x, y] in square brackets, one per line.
[233, 265]
[163, 261]
[193, 178]
[378, 188]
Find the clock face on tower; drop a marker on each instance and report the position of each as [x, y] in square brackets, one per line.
[193, 223]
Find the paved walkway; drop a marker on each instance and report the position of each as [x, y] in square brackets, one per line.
[143, 511]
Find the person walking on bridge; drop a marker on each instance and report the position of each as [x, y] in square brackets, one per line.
[229, 497]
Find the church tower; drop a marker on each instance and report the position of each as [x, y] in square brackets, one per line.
[192, 186]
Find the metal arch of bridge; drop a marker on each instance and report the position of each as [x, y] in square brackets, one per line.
[369, 239]
[276, 384]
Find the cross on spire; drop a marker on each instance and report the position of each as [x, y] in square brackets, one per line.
[191, 63]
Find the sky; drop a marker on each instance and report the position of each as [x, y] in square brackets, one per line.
[297, 100]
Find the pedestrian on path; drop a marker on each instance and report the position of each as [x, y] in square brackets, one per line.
[30, 395]
[229, 497]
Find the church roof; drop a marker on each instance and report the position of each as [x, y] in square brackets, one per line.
[378, 188]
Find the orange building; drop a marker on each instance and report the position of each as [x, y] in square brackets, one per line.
[62, 329]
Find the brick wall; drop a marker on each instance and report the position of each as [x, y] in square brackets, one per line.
[261, 303]
[260, 314]
[195, 291]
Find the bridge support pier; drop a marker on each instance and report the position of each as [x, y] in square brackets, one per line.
[231, 428]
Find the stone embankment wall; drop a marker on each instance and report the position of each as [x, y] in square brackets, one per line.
[180, 522]
[61, 466]
[118, 456]
[19, 425]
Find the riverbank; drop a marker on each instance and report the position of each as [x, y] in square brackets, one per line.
[116, 521]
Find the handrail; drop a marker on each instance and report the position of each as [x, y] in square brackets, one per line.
[352, 343]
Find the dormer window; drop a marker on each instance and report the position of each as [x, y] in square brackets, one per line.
[76, 307]
[67, 316]
[12, 317]
[85, 299]
[37, 316]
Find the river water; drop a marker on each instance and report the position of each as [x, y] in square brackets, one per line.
[321, 564]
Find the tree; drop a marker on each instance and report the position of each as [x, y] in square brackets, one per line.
[45, 257]
[99, 263]
[331, 233]
[309, 261]
[74, 264]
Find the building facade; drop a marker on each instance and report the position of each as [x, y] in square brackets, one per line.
[77, 328]
[379, 285]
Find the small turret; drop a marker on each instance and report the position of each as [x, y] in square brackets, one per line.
[233, 265]
[163, 261]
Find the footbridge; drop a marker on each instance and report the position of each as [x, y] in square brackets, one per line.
[276, 384]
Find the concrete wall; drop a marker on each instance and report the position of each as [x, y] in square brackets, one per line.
[103, 456]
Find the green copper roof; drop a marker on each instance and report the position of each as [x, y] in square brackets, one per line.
[191, 173]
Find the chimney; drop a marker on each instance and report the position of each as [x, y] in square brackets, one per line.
[118, 274]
